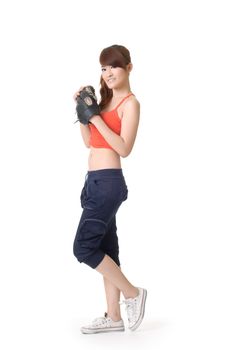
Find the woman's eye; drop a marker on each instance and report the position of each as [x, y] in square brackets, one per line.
[103, 69]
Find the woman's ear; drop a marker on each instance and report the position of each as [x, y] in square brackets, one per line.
[129, 67]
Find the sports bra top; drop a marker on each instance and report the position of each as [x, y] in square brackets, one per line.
[112, 120]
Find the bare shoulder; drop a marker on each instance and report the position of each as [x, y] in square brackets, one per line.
[130, 106]
[132, 101]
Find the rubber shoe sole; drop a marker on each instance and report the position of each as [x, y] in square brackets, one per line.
[101, 330]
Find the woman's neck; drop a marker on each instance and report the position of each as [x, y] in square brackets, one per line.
[122, 92]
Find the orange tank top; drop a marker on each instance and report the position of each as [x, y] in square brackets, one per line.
[112, 120]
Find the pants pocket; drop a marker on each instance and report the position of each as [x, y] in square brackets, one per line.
[83, 196]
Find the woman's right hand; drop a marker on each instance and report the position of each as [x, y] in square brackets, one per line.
[78, 93]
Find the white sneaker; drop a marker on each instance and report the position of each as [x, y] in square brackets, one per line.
[136, 309]
[102, 325]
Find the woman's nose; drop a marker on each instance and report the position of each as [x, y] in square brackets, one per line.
[109, 72]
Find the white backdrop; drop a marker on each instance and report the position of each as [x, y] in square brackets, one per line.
[176, 229]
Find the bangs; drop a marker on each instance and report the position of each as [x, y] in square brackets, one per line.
[112, 57]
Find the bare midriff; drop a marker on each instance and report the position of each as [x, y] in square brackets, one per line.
[103, 158]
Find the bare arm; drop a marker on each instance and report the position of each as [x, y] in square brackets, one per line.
[124, 142]
[85, 132]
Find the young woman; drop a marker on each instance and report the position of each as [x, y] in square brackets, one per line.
[110, 136]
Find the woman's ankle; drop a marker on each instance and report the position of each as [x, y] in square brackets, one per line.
[133, 293]
[115, 316]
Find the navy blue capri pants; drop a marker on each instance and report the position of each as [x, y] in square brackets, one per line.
[103, 192]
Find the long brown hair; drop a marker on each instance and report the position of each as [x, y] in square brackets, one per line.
[115, 56]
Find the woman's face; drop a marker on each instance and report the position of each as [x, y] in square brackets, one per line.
[115, 77]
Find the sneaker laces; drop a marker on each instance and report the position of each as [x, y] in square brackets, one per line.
[100, 320]
[131, 308]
